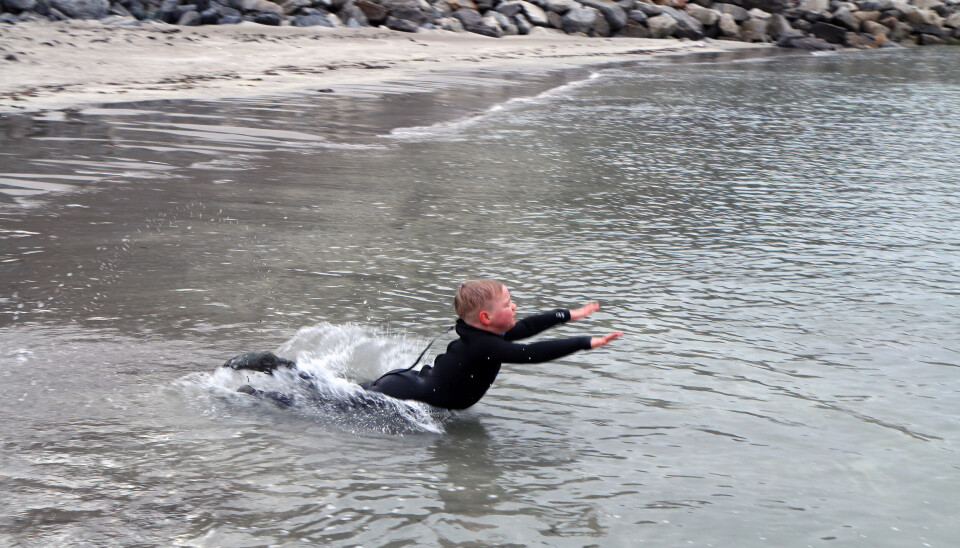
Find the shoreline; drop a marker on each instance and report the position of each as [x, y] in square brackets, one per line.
[68, 65]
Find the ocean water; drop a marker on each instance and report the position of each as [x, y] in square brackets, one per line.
[779, 238]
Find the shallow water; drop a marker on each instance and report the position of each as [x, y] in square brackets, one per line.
[778, 238]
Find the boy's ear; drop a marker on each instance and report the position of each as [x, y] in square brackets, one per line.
[484, 317]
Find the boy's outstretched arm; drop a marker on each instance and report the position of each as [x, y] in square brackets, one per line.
[584, 311]
[596, 342]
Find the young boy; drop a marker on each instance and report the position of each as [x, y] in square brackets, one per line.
[487, 327]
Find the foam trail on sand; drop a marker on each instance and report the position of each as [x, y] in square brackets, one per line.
[453, 127]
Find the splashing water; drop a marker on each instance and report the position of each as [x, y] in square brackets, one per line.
[331, 360]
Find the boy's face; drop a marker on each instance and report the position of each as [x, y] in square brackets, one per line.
[501, 312]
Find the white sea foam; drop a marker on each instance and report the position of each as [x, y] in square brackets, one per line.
[331, 360]
[454, 127]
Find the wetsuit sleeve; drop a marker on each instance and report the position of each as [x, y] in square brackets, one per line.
[530, 326]
[538, 352]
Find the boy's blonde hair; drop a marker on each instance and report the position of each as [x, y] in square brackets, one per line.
[473, 295]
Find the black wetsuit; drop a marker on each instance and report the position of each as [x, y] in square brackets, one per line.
[461, 376]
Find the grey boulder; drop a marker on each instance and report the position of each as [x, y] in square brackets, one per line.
[82, 9]
[579, 20]
[612, 12]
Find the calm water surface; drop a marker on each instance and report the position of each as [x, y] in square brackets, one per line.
[779, 238]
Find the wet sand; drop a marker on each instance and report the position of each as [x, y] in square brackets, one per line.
[47, 66]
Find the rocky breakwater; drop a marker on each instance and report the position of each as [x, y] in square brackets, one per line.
[808, 24]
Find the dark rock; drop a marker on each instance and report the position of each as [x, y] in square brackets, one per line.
[455, 5]
[510, 8]
[900, 31]
[231, 20]
[754, 30]
[335, 5]
[524, 26]
[190, 18]
[612, 12]
[650, 10]
[267, 18]
[224, 11]
[472, 21]
[118, 9]
[209, 16]
[868, 5]
[778, 27]
[860, 41]
[554, 19]
[706, 16]
[403, 25]
[739, 14]
[82, 9]
[931, 30]
[875, 29]
[807, 43]
[468, 17]
[662, 26]
[9, 19]
[506, 24]
[440, 10]
[889, 14]
[687, 26]
[376, 14]
[169, 11]
[10, 57]
[17, 6]
[484, 5]
[601, 27]
[727, 27]
[291, 7]
[889, 22]
[802, 26]
[867, 16]
[352, 16]
[534, 13]
[636, 16]
[769, 6]
[43, 7]
[816, 16]
[916, 16]
[57, 15]
[313, 20]
[409, 11]
[844, 18]
[828, 32]
[138, 10]
[816, 5]
[929, 40]
[579, 20]
[635, 30]
[559, 6]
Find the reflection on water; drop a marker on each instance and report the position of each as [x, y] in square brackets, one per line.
[776, 236]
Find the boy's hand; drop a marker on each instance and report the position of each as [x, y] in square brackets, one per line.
[600, 341]
[584, 311]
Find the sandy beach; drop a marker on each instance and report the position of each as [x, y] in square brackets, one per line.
[47, 66]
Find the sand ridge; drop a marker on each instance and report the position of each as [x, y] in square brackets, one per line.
[47, 65]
